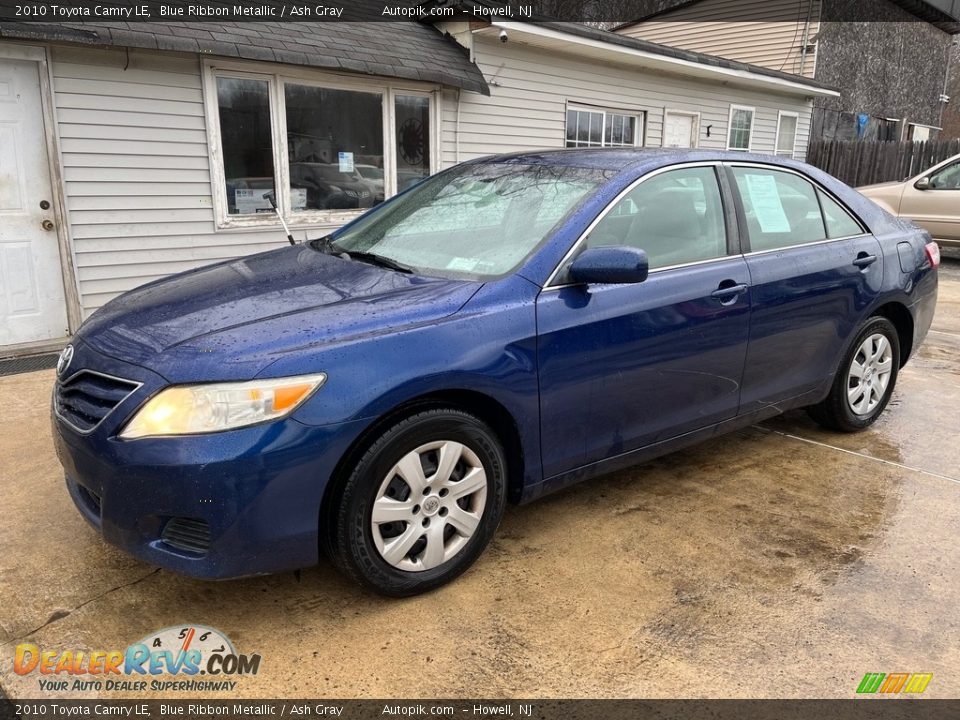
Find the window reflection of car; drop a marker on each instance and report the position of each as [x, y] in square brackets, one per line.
[328, 187]
[931, 199]
[373, 176]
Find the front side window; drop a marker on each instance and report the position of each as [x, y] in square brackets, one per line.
[946, 178]
[676, 217]
[473, 221]
[317, 152]
[781, 208]
[741, 128]
[587, 127]
[786, 134]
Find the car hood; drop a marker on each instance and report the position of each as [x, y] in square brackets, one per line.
[231, 320]
[879, 186]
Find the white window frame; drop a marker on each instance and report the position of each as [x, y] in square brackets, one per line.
[276, 76]
[694, 131]
[639, 129]
[796, 131]
[753, 121]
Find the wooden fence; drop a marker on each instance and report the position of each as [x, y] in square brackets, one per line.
[864, 162]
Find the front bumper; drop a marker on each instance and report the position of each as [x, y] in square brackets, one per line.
[257, 491]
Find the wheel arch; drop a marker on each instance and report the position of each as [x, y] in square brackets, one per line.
[898, 314]
[479, 404]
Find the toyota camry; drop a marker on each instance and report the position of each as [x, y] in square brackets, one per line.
[498, 331]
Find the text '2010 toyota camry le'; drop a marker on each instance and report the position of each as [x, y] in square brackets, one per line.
[500, 330]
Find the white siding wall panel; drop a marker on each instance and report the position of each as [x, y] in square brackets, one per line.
[527, 106]
[768, 33]
[136, 170]
[135, 156]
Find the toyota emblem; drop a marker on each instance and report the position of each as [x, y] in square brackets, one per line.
[63, 362]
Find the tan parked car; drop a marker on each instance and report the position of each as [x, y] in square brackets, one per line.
[931, 200]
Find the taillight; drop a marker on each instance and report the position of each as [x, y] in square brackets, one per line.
[933, 253]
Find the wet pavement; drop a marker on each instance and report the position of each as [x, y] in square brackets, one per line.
[780, 561]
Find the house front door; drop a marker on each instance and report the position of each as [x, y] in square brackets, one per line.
[32, 302]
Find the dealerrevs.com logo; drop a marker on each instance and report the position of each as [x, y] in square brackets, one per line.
[184, 652]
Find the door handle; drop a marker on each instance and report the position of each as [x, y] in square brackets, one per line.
[727, 294]
[47, 225]
[864, 260]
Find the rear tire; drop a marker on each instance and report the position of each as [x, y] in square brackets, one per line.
[421, 504]
[865, 380]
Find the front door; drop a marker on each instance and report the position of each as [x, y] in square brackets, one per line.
[936, 208]
[32, 303]
[679, 129]
[626, 366]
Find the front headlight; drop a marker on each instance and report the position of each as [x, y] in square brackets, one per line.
[192, 409]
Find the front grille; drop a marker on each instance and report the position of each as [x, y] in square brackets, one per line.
[187, 534]
[86, 398]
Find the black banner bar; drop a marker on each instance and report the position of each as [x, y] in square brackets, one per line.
[873, 708]
[607, 13]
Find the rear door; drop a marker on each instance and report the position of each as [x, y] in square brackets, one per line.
[813, 269]
[624, 366]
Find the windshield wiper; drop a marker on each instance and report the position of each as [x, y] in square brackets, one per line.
[374, 259]
[325, 244]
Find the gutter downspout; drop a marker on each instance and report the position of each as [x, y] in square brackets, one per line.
[457, 132]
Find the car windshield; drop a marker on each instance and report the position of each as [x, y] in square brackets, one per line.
[472, 221]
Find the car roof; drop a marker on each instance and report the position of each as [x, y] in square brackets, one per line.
[630, 158]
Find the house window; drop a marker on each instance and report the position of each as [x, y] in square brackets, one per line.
[412, 127]
[331, 134]
[322, 152]
[741, 128]
[590, 127]
[787, 133]
[245, 139]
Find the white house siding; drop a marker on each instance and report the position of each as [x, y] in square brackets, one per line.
[136, 165]
[136, 170]
[753, 38]
[530, 90]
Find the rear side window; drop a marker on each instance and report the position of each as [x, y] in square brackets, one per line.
[839, 222]
[781, 208]
[676, 217]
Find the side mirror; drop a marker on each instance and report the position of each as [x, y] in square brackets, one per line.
[922, 184]
[619, 265]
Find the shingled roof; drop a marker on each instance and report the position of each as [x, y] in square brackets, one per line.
[408, 50]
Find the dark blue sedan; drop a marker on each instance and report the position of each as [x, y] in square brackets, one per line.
[501, 330]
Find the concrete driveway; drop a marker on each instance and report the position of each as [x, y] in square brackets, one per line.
[781, 561]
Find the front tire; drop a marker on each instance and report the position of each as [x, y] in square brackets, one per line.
[865, 380]
[421, 504]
